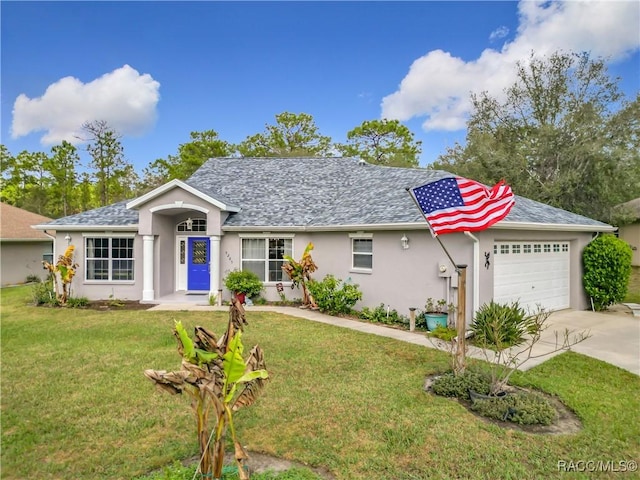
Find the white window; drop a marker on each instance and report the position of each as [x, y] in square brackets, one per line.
[264, 257]
[192, 225]
[362, 253]
[109, 258]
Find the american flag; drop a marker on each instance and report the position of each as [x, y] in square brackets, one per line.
[458, 204]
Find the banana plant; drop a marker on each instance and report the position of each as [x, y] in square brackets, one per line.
[300, 273]
[220, 381]
[63, 272]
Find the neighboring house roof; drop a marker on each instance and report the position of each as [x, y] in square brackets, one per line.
[15, 224]
[320, 193]
[632, 207]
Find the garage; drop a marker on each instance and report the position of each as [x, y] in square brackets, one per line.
[532, 273]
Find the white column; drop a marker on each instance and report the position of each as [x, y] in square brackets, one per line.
[147, 268]
[214, 264]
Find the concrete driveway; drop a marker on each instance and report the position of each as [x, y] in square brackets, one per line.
[615, 337]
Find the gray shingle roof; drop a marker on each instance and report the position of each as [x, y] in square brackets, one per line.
[115, 214]
[317, 192]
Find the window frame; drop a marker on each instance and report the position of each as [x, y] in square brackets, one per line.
[353, 237]
[110, 258]
[265, 259]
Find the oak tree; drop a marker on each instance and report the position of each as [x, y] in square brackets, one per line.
[563, 135]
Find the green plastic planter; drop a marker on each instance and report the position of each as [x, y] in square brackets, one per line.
[435, 320]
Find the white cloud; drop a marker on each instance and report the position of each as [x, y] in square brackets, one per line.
[499, 33]
[438, 84]
[124, 98]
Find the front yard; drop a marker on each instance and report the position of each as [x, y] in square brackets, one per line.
[75, 403]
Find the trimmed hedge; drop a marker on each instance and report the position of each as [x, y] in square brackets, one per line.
[607, 268]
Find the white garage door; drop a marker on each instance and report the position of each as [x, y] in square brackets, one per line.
[533, 273]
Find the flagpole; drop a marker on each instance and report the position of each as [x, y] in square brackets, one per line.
[460, 363]
[433, 233]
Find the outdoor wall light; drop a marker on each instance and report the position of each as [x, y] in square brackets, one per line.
[188, 223]
[404, 241]
[67, 237]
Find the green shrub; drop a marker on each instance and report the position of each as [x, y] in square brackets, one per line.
[500, 325]
[332, 297]
[77, 302]
[444, 333]
[243, 281]
[33, 278]
[607, 268]
[380, 314]
[450, 385]
[524, 408]
[42, 294]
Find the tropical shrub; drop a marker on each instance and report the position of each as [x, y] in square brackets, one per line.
[63, 272]
[500, 325]
[219, 381]
[333, 296]
[243, 281]
[300, 274]
[607, 268]
[524, 408]
[501, 329]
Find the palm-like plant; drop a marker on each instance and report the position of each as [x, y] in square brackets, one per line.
[300, 273]
[63, 272]
[220, 381]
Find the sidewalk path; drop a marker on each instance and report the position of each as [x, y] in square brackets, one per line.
[614, 339]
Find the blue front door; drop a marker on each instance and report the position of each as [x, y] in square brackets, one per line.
[198, 267]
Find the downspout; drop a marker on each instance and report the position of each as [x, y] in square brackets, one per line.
[52, 237]
[53, 253]
[476, 272]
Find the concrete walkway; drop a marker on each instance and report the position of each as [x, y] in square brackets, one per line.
[614, 339]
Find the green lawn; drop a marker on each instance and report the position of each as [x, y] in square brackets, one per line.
[76, 405]
[633, 294]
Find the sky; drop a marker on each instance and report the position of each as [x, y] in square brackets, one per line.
[156, 71]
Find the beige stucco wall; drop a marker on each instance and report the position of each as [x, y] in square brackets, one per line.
[631, 235]
[96, 290]
[401, 279]
[21, 259]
